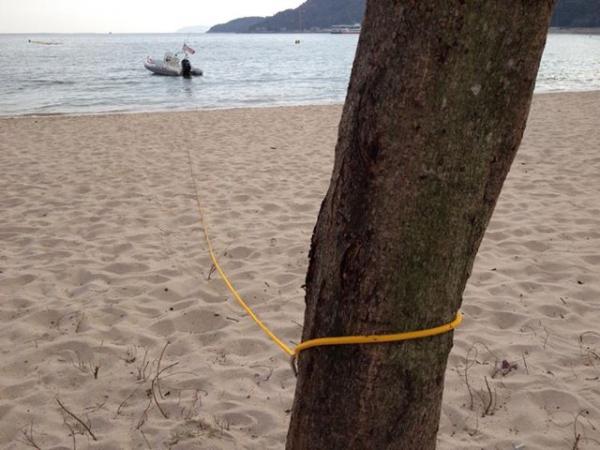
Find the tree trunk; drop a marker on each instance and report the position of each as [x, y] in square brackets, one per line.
[435, 112]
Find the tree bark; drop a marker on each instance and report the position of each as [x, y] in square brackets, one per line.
[435, 112]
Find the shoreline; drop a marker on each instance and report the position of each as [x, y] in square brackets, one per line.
[574, 30]
[226, 108]
[167, 111]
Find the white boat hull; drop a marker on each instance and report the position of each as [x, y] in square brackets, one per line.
[159, 68]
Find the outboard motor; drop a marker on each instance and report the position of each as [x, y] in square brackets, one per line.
[186, 68]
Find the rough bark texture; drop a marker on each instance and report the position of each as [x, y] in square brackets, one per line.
[436, 108]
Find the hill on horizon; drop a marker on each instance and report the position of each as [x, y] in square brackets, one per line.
[241, 25]
[576, 13]
[310, 15]
[314, 15]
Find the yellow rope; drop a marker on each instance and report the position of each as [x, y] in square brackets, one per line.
[328, 341]
[224, 277]
[379, 338]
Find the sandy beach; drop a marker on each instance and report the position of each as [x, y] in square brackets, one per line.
[109, 310]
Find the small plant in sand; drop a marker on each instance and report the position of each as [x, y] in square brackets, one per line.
[130, 355]
[142, 367]
[27, 437]
[488, 397]
[191, 429]
[91, 367]
[221, 423]
[77, 421]
[193, 409]
[155, 388]
[579, 431]
[151, 375]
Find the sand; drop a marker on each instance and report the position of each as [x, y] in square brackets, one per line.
[107, 297]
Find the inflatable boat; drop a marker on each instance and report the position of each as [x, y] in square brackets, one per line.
[172, 66]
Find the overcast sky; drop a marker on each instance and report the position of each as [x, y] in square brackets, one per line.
[127, 16]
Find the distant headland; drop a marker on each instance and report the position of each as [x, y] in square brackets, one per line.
[310, 16]
[321, 15]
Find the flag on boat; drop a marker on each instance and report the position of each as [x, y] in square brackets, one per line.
[188, 49]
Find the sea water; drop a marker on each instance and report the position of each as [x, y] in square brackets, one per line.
[86, 74]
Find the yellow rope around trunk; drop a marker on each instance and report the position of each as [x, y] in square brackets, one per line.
[328, 341]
